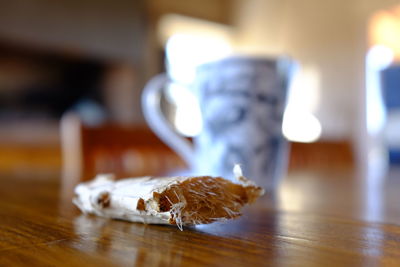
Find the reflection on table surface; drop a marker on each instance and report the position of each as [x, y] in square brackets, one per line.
[315, 218]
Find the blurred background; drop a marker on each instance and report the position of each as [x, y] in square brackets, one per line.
[72, 73]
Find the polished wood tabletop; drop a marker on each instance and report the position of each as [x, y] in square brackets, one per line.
[327, 217]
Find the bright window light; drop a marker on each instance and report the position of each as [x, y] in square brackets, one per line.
[187, 117]
[301, 126]
[304, 89]
[185, 52]
[299, 123]
[378, 58]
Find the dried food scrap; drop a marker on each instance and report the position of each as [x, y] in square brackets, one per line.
[167, 200]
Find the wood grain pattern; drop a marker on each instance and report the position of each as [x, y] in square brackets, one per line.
[324, 218]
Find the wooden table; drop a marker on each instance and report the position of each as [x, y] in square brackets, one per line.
[316, 218]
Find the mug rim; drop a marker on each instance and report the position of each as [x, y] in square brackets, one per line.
[246, 58]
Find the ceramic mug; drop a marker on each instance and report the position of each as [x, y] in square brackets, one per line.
[241, 100]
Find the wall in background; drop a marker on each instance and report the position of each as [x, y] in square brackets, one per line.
[329, 39]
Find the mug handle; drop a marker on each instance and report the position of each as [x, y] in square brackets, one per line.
[151, 106]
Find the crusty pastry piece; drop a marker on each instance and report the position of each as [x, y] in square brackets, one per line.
[167, 200]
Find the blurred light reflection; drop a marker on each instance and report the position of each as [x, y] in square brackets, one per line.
[190, 43]
[299, 123]
[301, 126]
[187, 115]
[378, 58]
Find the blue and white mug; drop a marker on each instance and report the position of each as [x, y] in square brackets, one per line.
[241, 100]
